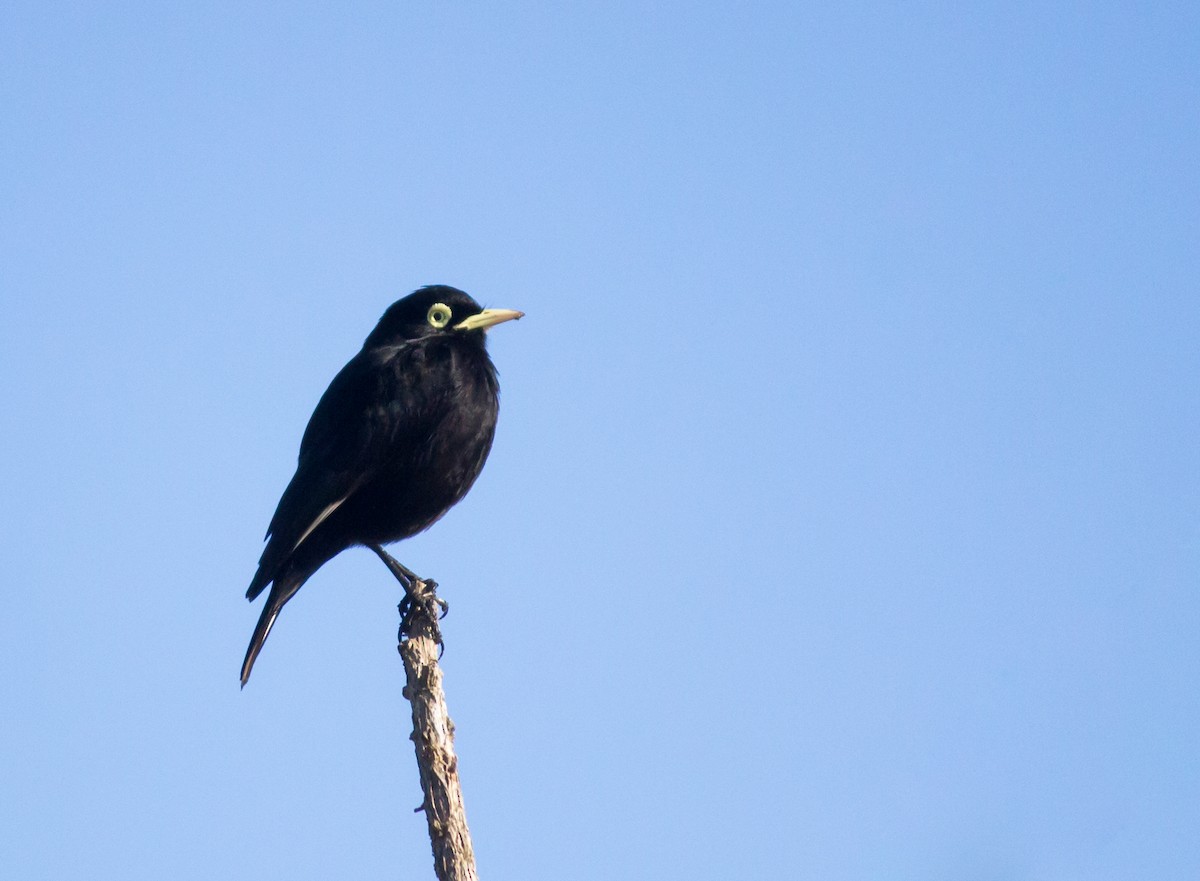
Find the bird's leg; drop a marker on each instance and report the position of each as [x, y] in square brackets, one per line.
[408, 578]
[403, 574]
[413, 597]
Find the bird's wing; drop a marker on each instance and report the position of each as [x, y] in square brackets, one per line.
[340, 452]
[309, 499]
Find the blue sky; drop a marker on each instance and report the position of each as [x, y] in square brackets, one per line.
[844, 516]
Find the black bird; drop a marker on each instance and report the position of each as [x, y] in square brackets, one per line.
[396, 440]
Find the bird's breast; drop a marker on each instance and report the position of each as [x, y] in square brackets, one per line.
[437, 425]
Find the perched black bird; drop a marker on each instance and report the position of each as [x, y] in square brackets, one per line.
[396, 440]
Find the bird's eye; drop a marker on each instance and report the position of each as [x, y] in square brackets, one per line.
[438, 315]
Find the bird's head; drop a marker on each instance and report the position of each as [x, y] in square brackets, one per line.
[435, 310]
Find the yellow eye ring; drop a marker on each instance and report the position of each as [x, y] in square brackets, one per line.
[438, 315]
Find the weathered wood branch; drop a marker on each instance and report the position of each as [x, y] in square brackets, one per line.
[433, 735]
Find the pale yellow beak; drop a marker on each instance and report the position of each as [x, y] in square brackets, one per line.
[487, 318]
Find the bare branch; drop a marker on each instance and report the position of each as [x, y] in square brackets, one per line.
[433, 735]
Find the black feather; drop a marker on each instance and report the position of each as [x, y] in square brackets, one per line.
[397, 439]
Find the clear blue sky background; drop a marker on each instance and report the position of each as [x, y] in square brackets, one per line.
[844, 517]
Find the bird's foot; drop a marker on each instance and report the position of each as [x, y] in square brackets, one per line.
[421, 610]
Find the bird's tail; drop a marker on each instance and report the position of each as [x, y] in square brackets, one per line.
[281, 591]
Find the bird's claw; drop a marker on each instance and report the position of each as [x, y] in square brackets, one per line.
[422, 604]
[421, 607]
